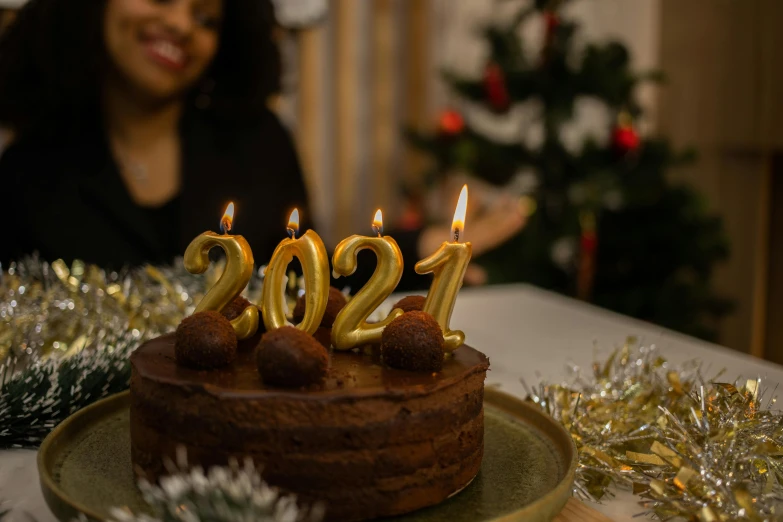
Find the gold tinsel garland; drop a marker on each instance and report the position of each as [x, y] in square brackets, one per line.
[691, 447]
[57, 310]
[67, 331]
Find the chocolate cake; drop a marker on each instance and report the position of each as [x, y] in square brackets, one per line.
[368, 441]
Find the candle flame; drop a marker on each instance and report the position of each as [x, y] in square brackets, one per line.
[293, 224]
[458, 225]
[377, 223]
[227, 221]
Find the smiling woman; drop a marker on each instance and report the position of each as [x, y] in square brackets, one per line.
[140, 119]
[59, 55]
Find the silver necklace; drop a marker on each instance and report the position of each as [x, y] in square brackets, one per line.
[137, 170]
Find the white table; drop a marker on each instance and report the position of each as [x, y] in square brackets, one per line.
[527, 333]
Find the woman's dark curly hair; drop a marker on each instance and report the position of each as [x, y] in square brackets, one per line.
[53, 58]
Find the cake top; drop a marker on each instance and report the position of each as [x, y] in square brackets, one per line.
[360, 373]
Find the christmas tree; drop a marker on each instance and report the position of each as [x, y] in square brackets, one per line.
[609, 226]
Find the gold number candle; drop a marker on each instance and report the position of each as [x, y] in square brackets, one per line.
[448, 264]
[235, 276]
[350, 328]
[311, 252]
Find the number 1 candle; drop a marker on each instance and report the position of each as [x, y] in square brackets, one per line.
[448, 264]
[350, 328]
[311, 252]
[235, 276]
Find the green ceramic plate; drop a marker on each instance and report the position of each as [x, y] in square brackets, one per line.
[527, 471]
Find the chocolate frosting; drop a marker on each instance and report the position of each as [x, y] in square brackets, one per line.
[367, 375]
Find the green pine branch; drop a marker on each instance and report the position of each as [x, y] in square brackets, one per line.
[35, 400]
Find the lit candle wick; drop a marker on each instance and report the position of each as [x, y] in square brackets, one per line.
[293, 224]
[227, 220]
[458, 224]
[377, 223]
[225, 226]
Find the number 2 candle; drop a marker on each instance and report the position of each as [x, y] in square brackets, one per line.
[448, 264]
[350, 328]
[235, 276]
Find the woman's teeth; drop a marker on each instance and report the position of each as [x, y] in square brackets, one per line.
[169, 51]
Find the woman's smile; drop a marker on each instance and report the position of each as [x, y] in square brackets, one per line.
[166, 52]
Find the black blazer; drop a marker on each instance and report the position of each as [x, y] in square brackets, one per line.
[64, 197]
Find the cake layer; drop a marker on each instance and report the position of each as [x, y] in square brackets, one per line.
[372, 441]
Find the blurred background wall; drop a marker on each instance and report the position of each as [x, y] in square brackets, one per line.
[369, 68]
[724, 96]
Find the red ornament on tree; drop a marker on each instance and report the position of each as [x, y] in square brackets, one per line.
[624, 137]
[495, 87]
[451, 123]
[552, 23]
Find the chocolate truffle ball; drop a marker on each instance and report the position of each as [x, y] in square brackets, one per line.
[412, 303]
[290, 358]
[413, 341]
[336, 303]
[235, 308]
[205, 340]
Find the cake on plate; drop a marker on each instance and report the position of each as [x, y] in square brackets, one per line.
[366, 435]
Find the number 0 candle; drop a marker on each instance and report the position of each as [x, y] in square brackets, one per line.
[235, 276]
[311, 252]
[448, 264]
[350, 328]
